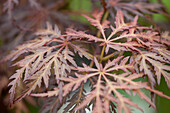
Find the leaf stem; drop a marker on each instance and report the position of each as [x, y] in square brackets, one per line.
[109, 56]
[102, 53]
[99, 33]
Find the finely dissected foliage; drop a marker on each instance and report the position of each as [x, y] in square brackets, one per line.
[51, 56]
[59, 67]
[43, 57]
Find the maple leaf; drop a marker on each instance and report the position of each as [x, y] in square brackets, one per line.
[42, 59]
[129, 31]
[159, 66]
[106, 84]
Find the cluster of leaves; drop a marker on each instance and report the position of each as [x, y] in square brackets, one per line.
[23, 18]
[129, 7]
[51, 63]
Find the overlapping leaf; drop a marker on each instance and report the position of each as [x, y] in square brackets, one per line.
[159, 67]
[105, 89]
[43, 58]
[53, 54]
